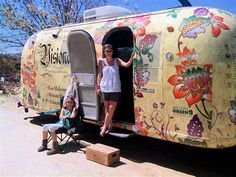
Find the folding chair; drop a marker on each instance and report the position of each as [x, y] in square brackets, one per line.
[49, 116]
[72, 131]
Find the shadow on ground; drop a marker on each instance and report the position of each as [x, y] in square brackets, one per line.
[193, 161]
[39, 120]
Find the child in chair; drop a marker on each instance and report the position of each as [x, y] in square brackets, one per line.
[68, 111]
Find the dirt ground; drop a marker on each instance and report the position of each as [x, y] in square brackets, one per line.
[20, 135]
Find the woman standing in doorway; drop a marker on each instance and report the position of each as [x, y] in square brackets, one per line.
[109, 85]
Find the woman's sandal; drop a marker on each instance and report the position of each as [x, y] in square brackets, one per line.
[102, 133]
[108, 130]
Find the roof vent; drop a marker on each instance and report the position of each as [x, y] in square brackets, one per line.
[105, 12]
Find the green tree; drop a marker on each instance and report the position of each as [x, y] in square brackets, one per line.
[19, 19]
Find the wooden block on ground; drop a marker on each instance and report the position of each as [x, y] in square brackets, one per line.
[103, 154]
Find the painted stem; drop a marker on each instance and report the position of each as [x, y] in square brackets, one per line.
[179, 43]
[204, 107]
[201, 112]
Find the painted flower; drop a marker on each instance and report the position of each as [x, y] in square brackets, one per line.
[192, 26]
[193, 84]
[217, 24]
[137, 113]
[170, 29]
[141, 75]
[138, 127]
[201, 12]
[100, 33]
[28, 77]
[155, 105]
[189, 57]
[137, 25]
[136, 22]
[30, 42]
[147, 43]
[232, 112]
[143, 131]
[110, 22]
[195, 128]
[34, 89]
[29, 57]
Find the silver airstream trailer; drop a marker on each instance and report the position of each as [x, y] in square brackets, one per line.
[181, 86]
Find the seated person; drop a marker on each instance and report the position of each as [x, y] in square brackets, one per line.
[68, 111]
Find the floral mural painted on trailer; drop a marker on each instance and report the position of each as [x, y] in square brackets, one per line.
[193, 82]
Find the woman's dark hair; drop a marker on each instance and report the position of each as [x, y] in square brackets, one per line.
[104, 48]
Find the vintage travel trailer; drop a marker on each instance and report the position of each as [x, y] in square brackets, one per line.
[181, 86]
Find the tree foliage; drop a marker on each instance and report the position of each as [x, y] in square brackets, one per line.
[21, 18]
[9, 64]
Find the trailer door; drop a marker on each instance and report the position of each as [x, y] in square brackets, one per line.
[83, 65]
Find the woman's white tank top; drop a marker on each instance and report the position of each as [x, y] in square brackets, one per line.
[110, 81]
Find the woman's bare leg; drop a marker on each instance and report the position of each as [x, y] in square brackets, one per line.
[112, 108]
[108, 117]
[106, 106]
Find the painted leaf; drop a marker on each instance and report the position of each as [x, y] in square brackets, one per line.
[139, 95]
[193, 25]
[30, 99]
[180, 70]
[193, 142]
[192, 99]
[180, 91]
[175, 79]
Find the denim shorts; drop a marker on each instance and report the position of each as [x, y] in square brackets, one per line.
[111, 96]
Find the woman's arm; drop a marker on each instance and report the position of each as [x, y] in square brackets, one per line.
[99, 77]
[126, 64]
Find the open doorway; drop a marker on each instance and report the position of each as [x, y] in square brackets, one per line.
[121, 38]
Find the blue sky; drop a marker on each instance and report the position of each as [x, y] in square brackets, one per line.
[155, 5]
